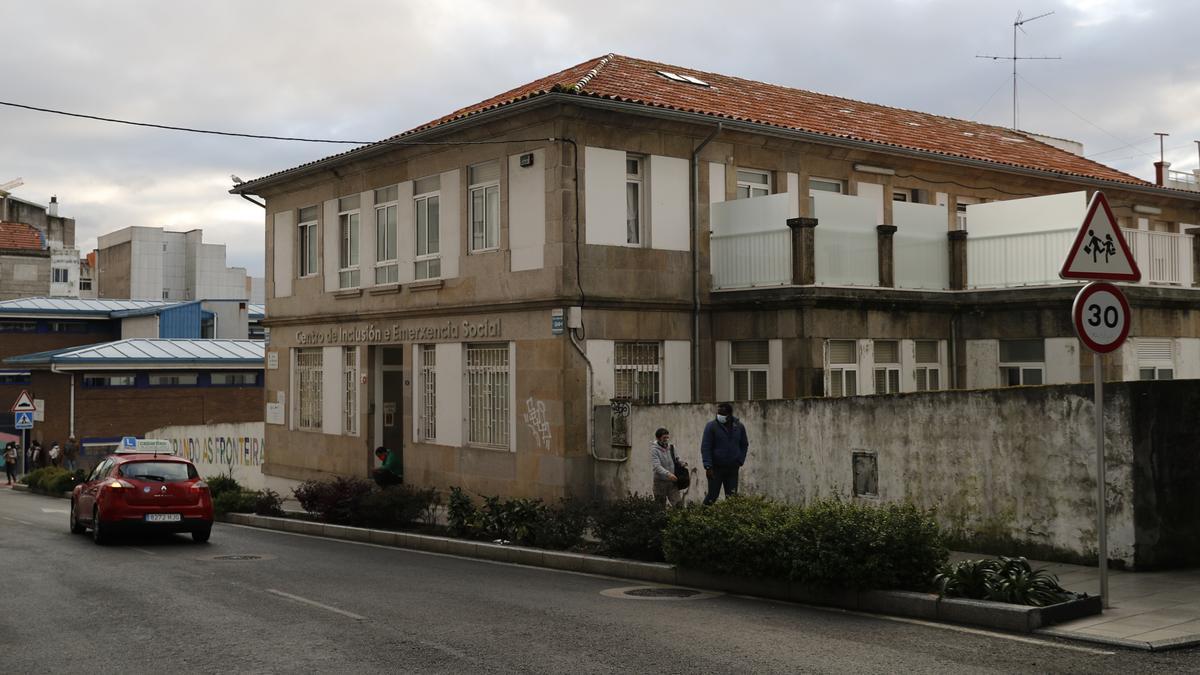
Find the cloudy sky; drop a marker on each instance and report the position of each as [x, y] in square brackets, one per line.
[366, 69]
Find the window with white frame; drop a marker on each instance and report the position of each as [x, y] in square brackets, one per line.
[61, 276]
[348, 276]
[387, 270]
[309, 362]
[887, 366]
[428, 421]
[350, 390]
[1022, 362]
[637, 370]
[307, 232]
[634, 199]
[428, 262]
[488, 395]
[841, 362]
[484, 181]
[929, 366]
[752, 183]
[825, 185]
[1156, 360]
[905, 195]
[749, 361]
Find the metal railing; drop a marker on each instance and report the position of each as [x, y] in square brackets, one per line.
[1183, 177]
[1163, 257]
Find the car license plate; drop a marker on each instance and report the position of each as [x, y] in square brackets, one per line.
[163, 518]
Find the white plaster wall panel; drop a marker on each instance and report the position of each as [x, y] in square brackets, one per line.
[329, 248]
[1187, 358]
[1129, 361]
[601, 353]
[451, 410]
[793, 190]
[669, 226]
[527, 212]
[866, 367]
[677, 380]
[366, 239]
[983, 364]
[775, 369]
[977, 474]
[716, 182]
[406, 231]
[604, 196]
[1062, 361]
[846, 240]
[1031, 214]
[941, 199]
[450, 204]
[724, 378]
[331, 390]
[873, 193]
[920, 249]
[908, 365]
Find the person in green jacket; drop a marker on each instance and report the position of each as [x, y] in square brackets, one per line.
[392, 471]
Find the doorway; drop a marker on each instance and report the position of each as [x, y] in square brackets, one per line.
[389, 398]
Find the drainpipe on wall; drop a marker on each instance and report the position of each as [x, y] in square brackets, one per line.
[954, 351]
[695, 218]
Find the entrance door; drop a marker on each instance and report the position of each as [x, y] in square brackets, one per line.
[391, 405]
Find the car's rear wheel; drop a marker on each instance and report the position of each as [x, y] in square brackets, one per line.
[201, 536]
[98, 534]
[76, 528]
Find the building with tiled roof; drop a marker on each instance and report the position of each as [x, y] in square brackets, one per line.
[21, 237]
[37, 254]
[474, 290]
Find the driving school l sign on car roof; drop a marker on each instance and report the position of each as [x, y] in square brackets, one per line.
[1100, 252]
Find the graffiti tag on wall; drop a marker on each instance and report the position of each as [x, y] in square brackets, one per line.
[535, 419]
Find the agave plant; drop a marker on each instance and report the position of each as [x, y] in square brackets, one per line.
[1010, 580]
[966, 579]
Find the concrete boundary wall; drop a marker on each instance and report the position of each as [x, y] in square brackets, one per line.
[1015, 464]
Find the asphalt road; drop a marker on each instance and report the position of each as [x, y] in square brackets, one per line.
[313, 605]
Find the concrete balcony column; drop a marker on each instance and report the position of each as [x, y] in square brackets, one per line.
[804, 252]
[887, 259]
[958, 259]
[1195, 232]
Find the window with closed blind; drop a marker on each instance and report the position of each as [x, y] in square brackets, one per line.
[928, 372]
[887, 366]
[1022, 362]
[749, 361]
[841, 362]
[1156, 359]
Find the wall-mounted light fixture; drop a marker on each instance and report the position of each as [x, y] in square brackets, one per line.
[1148, 210]
[867, 168]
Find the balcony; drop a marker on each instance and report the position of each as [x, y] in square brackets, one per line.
[1183, 180]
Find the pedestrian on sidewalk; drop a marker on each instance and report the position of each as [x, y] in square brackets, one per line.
[665, 466]
[39, 456]
[71, 453]
[10, 462]
[723, 451]
[55, 454]
[392, 470]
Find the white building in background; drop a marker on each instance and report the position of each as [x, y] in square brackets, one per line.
[150, 263]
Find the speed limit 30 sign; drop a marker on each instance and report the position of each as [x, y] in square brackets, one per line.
[1101, 315]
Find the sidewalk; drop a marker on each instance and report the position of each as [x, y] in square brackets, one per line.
[1148, 610]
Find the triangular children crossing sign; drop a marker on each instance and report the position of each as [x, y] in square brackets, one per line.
[1099, 251]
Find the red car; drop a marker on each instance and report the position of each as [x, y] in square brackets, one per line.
[140, 491]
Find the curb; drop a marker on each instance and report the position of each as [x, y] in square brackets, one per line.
[1127, 643]
[910, 604]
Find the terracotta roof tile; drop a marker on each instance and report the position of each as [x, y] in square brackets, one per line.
[632, 80]
[20, 236]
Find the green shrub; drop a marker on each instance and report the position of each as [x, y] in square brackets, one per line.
[234, 502]
[528, 522]
[220, 484]
[396, 507]
[268, 503]
[832, 544]
[561, 527]
[461, 513]
[335, 500]
[50, 479]
[632, 527]
[1010, 580]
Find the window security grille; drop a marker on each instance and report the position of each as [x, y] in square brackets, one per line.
[887, 366]
[749, 362]
[308, 388]
[842, 364]
[487, 395]
[928, 371]
[428, 392]
[637, 366]
[350, 390]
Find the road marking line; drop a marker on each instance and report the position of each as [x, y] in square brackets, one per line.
[314, 603]
[55, 511]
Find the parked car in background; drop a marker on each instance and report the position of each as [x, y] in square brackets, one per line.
[142, 488]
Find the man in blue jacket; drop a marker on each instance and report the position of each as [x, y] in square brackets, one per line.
[723, 451]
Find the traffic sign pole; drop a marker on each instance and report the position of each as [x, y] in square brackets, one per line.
[1101, 499]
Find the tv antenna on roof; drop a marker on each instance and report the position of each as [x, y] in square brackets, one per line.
[1020, 21]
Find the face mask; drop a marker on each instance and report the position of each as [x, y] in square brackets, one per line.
[663, 442]
[722, 418]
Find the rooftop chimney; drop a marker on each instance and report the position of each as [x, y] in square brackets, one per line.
[1160, 173]
[53, 210]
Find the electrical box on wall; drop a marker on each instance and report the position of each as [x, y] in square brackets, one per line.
[574, 317]
[527, 159]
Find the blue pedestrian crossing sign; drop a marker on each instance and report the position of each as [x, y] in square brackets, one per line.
[24, 420]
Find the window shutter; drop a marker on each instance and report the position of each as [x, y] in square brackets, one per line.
[484, 173]
[1154, 350]
[927, 351]
[835, 383]
[758, 384]
[842, 351]
[887, 351]
[750, 353]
